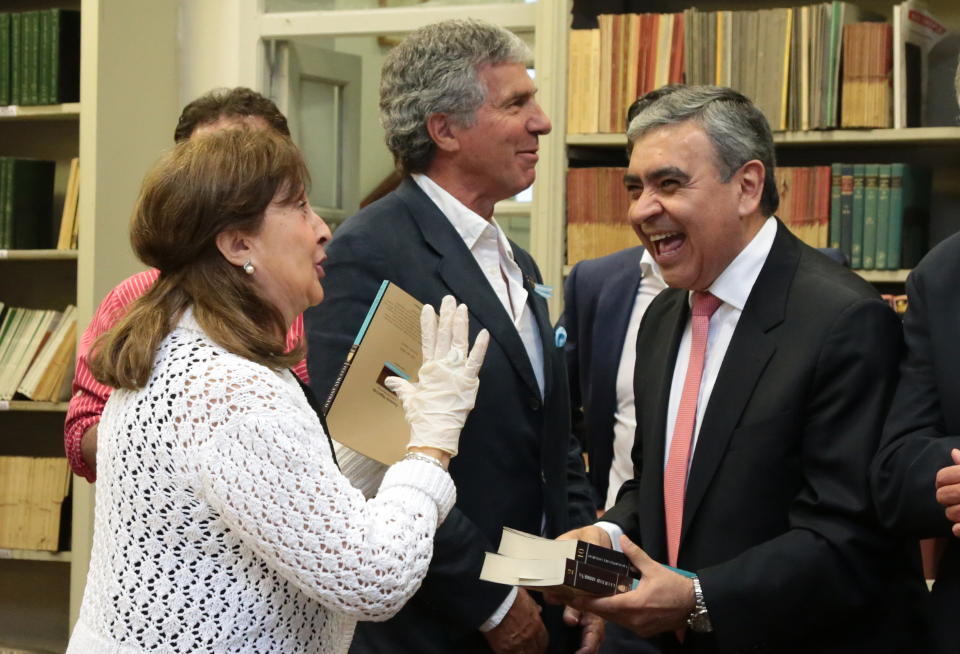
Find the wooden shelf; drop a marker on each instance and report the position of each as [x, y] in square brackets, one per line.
[67, 111]
[38, 255]
[35, 555]
[946, 136]
[884, 276]
[29, 405]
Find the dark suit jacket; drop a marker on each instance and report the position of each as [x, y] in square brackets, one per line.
[518, 460]
[924, 425]
[778, 520]
[598, 298]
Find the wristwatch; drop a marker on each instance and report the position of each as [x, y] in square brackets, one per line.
[699, 619]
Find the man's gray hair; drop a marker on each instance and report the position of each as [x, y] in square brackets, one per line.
[435, 70]
[737, 129]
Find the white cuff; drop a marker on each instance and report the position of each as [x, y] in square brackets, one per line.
[613, 531]
[501, 611]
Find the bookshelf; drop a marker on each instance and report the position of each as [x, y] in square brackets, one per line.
[129, 103]
[938, 147]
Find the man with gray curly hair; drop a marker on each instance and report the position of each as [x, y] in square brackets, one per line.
[463, 124]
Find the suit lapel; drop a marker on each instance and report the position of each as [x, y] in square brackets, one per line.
[614, 308]
[462, 275]
[665, 318]
[746, 358]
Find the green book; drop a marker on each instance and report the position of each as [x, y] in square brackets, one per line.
[29, 204]
[16, 57]
[836, 175]
[856, 243]
[32, 54]
[916, 214]
[6, 204]
[64, 55]
[4, 58]
[43, 60]
[869, 253]
[883, 216]
[895, 223]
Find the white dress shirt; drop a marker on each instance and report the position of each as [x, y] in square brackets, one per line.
[491, 249]
[624, 419]
[733, 287]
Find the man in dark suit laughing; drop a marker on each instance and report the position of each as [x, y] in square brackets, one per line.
[762, 382]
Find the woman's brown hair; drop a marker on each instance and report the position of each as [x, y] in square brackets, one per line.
[219, 181]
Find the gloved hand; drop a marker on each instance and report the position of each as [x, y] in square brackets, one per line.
[437, 405]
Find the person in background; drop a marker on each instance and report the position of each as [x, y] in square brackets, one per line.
[222, 521]
[215, 110]
[463, 123]
[763, 377]
[916, 473]
[601, 326]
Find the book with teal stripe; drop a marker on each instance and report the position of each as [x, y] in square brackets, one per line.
[869, 216]
[883, 216]
[856, 244]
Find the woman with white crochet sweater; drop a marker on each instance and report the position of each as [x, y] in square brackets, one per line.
[222, 521]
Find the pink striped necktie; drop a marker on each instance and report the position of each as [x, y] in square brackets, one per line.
[675, 475]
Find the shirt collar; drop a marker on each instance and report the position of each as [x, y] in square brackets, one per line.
[734, 284]
[469, 224]
[649, 268]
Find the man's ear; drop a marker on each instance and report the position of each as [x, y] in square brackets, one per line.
[235, 246]
[750, 179]
[443, 132]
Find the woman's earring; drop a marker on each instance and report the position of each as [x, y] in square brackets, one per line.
[248, 267]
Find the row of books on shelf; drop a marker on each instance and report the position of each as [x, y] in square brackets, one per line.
[36, 353]
[877, 214]
[809, 67]
[39, 57]
[32, 492]
[27, 218]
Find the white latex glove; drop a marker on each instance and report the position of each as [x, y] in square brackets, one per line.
[438, 404]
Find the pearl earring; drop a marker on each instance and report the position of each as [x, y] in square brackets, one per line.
[248, 267]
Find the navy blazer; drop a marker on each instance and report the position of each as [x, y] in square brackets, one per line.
[598, 295]
[778, 518]
[518, 464]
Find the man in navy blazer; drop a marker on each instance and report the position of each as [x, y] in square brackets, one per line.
[461, 119]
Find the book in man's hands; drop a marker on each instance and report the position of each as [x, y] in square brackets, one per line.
[571, 566]
[361, 412]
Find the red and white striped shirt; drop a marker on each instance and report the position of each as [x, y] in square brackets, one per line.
[89, 395]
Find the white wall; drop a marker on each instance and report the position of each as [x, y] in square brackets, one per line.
[209, 46]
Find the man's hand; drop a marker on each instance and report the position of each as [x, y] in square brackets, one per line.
[88, 447]
[948, 491]
[521, 631]
[588, 534]
[592, 629]
[661, 601]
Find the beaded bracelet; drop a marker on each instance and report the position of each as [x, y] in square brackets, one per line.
[417, 456]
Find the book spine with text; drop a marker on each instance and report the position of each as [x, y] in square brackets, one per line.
[589, 579]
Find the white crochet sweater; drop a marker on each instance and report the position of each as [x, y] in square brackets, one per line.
[223, 525]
